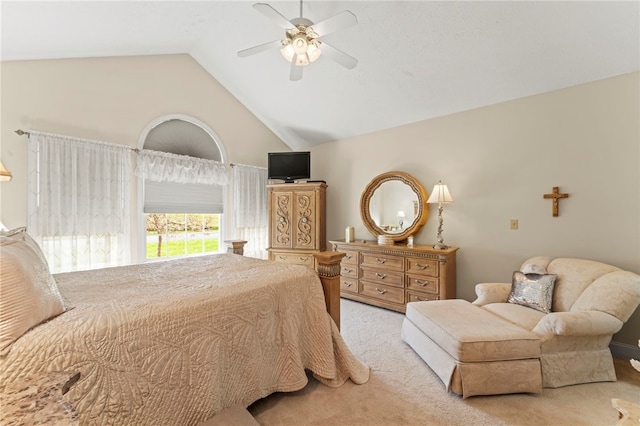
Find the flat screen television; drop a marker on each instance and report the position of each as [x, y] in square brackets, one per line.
[289, 166]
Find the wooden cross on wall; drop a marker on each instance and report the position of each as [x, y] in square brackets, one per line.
[556, 197]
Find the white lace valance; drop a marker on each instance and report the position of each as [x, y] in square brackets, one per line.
[166, 167]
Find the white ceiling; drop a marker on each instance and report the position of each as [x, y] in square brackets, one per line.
[417, 59]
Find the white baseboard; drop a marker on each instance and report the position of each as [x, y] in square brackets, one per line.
[624, 351]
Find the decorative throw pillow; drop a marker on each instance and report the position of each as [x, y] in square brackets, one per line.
[532, 290]
[29, 294]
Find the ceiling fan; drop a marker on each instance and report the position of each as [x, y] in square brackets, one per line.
[303, 39]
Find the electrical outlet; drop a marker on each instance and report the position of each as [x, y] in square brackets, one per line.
[514, 223]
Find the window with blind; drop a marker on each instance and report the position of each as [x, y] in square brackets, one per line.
[182, 218]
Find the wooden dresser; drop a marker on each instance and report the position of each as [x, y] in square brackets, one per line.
[297, 222]
[390, 276]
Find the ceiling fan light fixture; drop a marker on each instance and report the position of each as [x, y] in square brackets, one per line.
[314, 50]
[302, 60]
[287, 50]
[302, 48]
[300, 44]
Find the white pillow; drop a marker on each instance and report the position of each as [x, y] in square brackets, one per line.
[29, 294]
[532, 268]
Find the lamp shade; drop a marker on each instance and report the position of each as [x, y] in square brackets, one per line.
[5, 175]
[401, 213]
[440, 194]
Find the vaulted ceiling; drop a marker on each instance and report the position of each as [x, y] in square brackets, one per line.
[416, 59]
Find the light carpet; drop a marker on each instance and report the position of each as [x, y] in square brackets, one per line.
[403, 390]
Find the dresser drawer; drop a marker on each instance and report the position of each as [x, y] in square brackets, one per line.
[350, 257]
[382, 292]
[390, 263]
[423, 283]
[295, 258]
[413, 296]
[382, 276]
[350, 271]
[416, 265]
[348, 284]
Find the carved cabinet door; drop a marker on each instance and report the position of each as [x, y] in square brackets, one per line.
[281, 219]
[297, 218]
[304, 220]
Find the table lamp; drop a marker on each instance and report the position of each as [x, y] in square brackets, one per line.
[441, 196]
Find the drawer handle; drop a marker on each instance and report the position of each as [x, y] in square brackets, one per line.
[381, 261]
[348, 256]
[347, 283]
[380, 291]
[423, 267]
[421, 283]
[282, 257]
[347, 270]
[420, 300]
[381, 276]
[304, 259]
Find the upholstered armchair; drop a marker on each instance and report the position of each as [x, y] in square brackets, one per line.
[591, 301]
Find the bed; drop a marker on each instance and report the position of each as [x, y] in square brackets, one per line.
[175, 342]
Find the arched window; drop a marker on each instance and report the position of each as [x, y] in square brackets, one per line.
[181, 218]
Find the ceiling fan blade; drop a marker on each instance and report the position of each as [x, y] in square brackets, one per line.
[339, 56]
[296, 70]
[273, 14]
[336, 22]
[260, 48]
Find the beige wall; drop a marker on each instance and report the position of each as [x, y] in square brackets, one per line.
[112, 100]
[498, 161]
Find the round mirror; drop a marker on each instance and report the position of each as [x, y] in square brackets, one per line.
[394, 206]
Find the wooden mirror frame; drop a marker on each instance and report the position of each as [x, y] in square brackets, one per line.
[422, 214]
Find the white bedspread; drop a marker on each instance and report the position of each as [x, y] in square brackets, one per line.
[174, 342]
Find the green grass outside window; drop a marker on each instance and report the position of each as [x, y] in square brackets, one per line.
[177, 248]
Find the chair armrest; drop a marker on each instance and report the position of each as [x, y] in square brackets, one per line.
[582, 323]
[492, 293]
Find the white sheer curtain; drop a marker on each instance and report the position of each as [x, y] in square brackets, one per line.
[78, 201]
[167, 167]
[250, 206]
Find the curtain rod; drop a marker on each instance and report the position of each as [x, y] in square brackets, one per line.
[22, 133]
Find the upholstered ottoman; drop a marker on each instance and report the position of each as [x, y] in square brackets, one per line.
[473, 351]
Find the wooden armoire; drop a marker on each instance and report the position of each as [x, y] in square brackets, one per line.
[297, 222]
